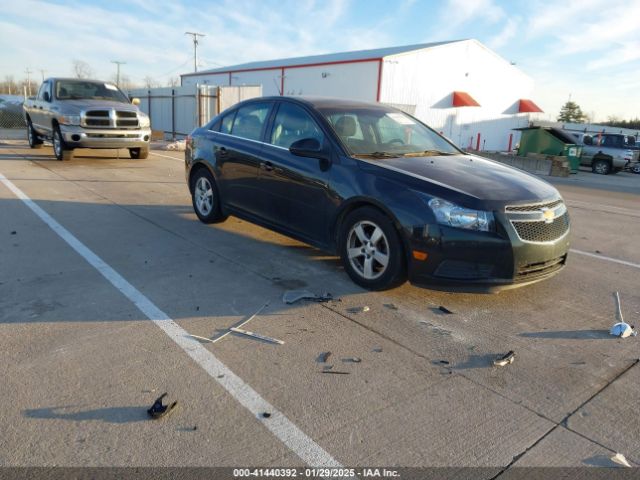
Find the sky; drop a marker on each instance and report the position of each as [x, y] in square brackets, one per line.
[586, 50]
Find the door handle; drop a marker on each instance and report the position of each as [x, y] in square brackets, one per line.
[223, 152]
[268, 166]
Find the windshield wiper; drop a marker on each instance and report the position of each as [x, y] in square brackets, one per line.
[379, 155]
[428, 153]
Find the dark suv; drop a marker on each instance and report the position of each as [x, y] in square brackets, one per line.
[387, 193]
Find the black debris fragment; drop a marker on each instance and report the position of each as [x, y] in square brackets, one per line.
[444, 362]
[377, 349]
[13, 232]
[444, 310]
[323, 357]
[266, 415]
[507, 359]
[390, 306]
[337, 372]
[293, 296]
[197, 308]
[352, 360]
[159, 410]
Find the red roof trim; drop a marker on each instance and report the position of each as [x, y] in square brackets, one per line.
[463, 99]
[527, 106]
[260, 69]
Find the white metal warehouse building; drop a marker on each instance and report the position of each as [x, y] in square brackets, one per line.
[460, 88]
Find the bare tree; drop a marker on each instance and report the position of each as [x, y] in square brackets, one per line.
[173, 82]
[81, 69]
[150, 82]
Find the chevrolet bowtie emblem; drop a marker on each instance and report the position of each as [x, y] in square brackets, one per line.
[548, 215]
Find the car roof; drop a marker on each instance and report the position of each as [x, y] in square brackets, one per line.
[327, 102]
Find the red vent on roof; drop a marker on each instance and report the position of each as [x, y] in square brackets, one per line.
[527, 106]
[463, 99]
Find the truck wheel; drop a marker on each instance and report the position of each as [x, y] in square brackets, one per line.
[141, 153]
[60, 149]
[371, 250]
[32, 136]
[635, 168]
[601, 167]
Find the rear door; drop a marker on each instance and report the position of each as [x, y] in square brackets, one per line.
[237, 148]
[36, 113]
[295, 189]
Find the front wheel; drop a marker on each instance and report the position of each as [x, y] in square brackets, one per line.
[204, 197]
[371, 250]
[32, 136]
[635, 168]
[139, 153]
[601, 167]
[60, 149]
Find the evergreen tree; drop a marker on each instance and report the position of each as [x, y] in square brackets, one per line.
[571, 112]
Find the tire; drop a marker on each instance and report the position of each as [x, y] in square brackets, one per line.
[204, 197]
[32, 136]
[601, 167]
[635, 168]
[60, 149]
[139, 153]
[366, 240]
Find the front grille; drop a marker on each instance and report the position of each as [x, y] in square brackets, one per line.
[532, 208]
[538, 269]
[126, 119]
[110, 119]
[541, 231]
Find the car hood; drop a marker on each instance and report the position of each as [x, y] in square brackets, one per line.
[76, 106]
[470, 177]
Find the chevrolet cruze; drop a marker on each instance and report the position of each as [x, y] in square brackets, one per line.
[390, 196]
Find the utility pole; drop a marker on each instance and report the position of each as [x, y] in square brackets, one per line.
[118, 63]
[42, 72]
[28, 72]
[195, 36]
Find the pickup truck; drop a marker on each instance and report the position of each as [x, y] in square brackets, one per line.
[608, 153]
[79, 113]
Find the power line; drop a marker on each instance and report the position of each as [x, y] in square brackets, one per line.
[195, 36]
[118, 63]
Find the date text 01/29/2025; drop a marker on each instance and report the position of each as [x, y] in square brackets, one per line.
[314, 473]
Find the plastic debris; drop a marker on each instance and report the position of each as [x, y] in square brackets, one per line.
[507, 359]
[444, 310]
[358, 309]
[390, 306]
[159, 410]
[352, 360]
[179, 145]
[623, 330]
[266, 304]
[256, 335]
[266, 415]
[13, 232]
[337, 372]
[202, 339]
[620, 460]
[377, 349]
[293, 296]
[443, 362]
[323, 357]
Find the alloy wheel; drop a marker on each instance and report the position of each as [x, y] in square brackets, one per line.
[203, 195]
[368, 250]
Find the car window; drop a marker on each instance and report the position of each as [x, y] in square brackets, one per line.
[249, 121]
[227, 122]
[293, 123]
[347, 126]
[41, 92]
[87, 90]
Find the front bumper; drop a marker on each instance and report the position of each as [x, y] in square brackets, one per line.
[79, 137]
[482, 261]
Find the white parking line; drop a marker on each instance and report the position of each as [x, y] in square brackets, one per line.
[604, 257]
[285, 430]
[166, 156]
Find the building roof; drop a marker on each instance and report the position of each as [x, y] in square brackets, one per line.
[355, 56]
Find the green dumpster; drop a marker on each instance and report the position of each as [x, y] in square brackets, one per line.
[550, 141]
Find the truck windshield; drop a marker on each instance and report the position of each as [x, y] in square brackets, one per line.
[385, 133]
[82, 89]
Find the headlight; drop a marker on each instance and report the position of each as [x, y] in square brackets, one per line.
[144, 120]
[69, 119]
[453, 215]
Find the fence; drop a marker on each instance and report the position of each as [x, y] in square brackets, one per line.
[175, 112]
[11, 112]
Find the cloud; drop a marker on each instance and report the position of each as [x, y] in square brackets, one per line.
[509, 31]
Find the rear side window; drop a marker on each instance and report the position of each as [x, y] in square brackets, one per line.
[293, 123]
[250, 120]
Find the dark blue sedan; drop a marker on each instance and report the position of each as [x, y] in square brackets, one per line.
[376, 186]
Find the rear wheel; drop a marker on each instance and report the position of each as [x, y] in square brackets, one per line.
[371, 249]
[601, 166]
[141, 152]
[32, 136]
[204, 197]
[60, 149]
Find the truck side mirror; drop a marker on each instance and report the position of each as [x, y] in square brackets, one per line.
[47, 97]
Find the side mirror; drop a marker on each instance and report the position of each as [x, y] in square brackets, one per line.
[135, 101]
[308, 147]
[47, 97]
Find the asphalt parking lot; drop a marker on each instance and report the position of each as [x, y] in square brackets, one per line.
[105, 270]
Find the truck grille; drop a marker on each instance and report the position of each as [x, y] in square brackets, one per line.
[539, 231]
[110, 119]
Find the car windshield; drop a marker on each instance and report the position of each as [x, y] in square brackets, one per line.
[384, 133]
[82, 89]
